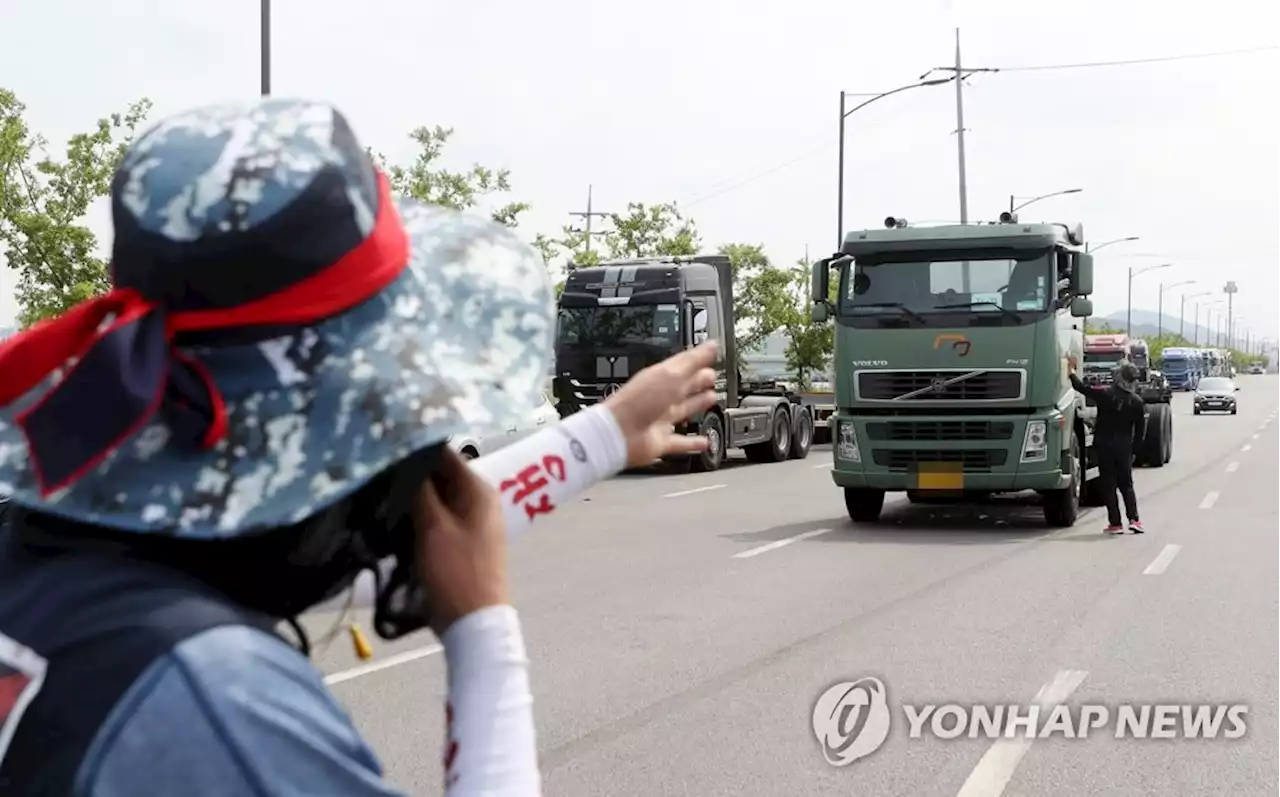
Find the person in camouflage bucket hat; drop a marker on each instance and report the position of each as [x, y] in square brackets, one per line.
[280, 330]
[255, 414]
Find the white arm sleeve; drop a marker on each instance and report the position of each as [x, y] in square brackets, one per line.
[492, 746]
[540, 473]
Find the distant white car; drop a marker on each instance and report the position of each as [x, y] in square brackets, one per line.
[542, 414]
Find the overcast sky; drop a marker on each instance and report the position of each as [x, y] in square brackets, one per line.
[733, 113]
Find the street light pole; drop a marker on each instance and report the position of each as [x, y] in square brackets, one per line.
[1128, 319]
[265, 43]
[1160, 305]
[1089, 248]
[845, 113]
[1034, 200]
[1182, 312]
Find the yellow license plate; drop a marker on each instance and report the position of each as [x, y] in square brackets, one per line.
[940, 476]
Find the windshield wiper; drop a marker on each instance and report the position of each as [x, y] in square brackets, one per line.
[897, 306]
[966, 305]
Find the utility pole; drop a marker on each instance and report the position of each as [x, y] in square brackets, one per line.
[1230, 290]
[265, 43]
[964, 184]
[588, 215]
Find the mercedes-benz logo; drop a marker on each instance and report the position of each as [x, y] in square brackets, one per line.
[611, 388]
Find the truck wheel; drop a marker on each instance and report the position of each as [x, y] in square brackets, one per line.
[802, 435]
[1168, 447]
[863, 504]
[677, 466]
[713, 457]
[778, 446]
[1062, 507]
[1157, 437]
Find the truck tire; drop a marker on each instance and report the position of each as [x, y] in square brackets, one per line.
[1062, 507]
[863, 504]
[778, 447]
[1156, 439]
[802, 434]
[711, 459]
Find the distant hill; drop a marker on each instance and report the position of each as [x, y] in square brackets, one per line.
[1145, 324]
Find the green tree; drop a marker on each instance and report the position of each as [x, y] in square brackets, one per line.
[810, 344]
[759, 292]
[43, 202]
[651, 230]
[427, 181]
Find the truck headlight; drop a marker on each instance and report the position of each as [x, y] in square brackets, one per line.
[1035, 444]
[847, 447]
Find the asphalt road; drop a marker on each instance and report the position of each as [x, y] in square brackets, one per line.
[681, 629]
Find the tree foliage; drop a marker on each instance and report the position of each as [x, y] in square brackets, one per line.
[43, 201]
[810, 344]
[427, 181]
[651, 230]
[759, 295]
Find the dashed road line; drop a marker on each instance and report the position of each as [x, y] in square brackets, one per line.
[824, 465]
[1233, 467]
[385, 664]
[695, 490]
[1162, 561]
[1209, 500]
[776, 544]
[1246, 447]
[1256, 436]
[996, 767]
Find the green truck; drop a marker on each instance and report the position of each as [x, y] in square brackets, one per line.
[951, 358]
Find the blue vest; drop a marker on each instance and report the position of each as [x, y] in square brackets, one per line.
[97, 619]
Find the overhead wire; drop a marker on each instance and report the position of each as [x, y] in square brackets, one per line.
[732, 184]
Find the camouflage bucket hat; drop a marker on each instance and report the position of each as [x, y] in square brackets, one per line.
[280, 331]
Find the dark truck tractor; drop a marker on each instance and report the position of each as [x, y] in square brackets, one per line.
[621, 316]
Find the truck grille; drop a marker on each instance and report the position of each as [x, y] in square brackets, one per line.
[908, 431]
[971, 460]
[982, 386]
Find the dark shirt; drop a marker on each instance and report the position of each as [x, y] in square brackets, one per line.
[1121, 415]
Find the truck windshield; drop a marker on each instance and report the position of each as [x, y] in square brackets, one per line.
[1107, 358]
[1010, 284]
[618, 327]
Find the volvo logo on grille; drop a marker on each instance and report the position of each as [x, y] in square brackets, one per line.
[938, 384]
[611, 388]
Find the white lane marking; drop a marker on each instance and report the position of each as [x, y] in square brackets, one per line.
[996, 767]
[385, 664]
[1209, 500]
[1233, 467]
[695, 490]
[1255, 437]
[776, 544]
[1247, 446]
[1162, 561]
[824, 465]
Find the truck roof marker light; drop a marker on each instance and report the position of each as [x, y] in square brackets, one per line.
[891, 222]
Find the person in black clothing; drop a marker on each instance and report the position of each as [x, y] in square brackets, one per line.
[1117, 433]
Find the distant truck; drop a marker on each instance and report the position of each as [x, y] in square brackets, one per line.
[1102, 353]
[1183, 367]
[951, 354]
[621, 316]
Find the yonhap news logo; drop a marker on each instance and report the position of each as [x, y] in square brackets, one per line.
[852, 719]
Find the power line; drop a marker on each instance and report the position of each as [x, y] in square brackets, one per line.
[1133, 61]
[732, 184]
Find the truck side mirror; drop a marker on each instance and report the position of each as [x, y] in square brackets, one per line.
[1082, 274]
[1081, 307]
[820, 291]
[699, 325]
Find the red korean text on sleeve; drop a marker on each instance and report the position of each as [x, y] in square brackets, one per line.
[529, 486]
